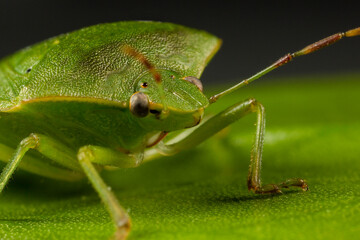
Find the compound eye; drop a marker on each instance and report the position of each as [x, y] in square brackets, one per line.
[139, 104]
[194, 81]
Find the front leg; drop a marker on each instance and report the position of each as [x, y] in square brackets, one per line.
[254, 179]
[222, 120]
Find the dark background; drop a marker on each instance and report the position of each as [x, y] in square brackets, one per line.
[255, 34]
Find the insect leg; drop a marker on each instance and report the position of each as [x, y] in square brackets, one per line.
[86, 156]
[254, 179]
[39, 166]
[49, 148]
[222, 120]
[80, 164]
[9, 169]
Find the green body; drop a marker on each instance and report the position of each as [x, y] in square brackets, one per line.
[75, 88]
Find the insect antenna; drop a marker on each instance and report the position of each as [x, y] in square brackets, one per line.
[288, 57]
[156, 75]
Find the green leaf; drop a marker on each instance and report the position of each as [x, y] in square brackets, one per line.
[313, 132]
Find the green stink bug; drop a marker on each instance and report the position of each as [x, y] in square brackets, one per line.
[107, 95]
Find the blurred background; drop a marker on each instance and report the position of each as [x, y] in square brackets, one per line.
[254, 34]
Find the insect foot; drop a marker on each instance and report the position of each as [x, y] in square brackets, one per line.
[122, 230]
[295, 182]
[276, 188]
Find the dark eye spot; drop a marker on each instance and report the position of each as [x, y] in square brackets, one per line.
[28, 70]
[172, 76]
[144, 85]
